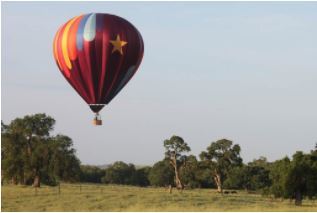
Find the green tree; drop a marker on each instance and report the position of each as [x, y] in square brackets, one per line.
[236, 178]
[63, 163]
[35, 129]
[140, 176]
[119, 173]
[260, 162]
[202, 175]
[12, 158]
[301, 178]
[161, 174]
[32, 155]
[221, 156]
[278, 173]
[253, 176]
[188, 172]
[91, 174]
[248, 177]
[175, 147]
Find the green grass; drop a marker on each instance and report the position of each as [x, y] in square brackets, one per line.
[128, 198]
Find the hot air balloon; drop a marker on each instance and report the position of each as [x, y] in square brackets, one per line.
[98, 54]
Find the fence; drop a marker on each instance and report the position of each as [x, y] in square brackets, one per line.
[70, 188]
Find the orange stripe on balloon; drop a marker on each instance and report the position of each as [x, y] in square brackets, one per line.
[59, 49]
[72, 49]
[55, 46]
[64, 43]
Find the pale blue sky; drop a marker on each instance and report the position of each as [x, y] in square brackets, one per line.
[243, 71]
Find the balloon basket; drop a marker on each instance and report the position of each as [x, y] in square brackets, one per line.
[97, 120]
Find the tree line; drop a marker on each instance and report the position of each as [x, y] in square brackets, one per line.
[31, 155]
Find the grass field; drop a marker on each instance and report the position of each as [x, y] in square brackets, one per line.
[126, 198]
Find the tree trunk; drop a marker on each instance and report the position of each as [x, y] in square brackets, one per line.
[22, 179]
[217, 179]
[2, 178]
[178, 182]
[170, 188]
[298, 198]
[36, 182]
[14, 180]
[25, 178]
[29, 147]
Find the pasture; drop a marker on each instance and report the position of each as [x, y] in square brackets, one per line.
[88, 197]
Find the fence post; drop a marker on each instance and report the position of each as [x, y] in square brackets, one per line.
[59, 188]
[170, 189]
[80, 188]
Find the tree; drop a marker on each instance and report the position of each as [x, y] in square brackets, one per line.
[119, 173]
[278, 174]
[140, 176]
[202, 175]
[253, 176]
[248, 177]
[236, 178]
[92, 174]
[32, 155]
[221, 156]
[12, 158]
[175, 147]
[63, 163]
[35, 129]
[301, 178]
[257, 178]
[188, 172]
[161, 174]
[260, 162]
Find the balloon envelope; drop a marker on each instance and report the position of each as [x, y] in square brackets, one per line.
[98, 54]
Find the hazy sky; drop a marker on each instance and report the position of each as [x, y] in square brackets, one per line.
[241, 71]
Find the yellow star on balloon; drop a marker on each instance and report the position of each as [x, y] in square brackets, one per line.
[118, 44]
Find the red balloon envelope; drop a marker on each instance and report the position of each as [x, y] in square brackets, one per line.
[98, 54]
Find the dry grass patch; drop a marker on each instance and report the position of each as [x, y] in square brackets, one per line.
[91, 197]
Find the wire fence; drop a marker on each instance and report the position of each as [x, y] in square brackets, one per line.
[71, 188]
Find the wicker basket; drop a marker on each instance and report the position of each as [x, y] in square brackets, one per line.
[97, 122]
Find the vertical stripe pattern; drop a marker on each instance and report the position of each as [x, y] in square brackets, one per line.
[83, 51]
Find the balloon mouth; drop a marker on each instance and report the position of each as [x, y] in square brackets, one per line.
[96, 107]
